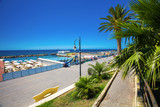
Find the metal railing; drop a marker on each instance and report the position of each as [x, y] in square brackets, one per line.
[148, 97]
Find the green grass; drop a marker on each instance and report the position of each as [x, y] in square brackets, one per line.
[66, 100]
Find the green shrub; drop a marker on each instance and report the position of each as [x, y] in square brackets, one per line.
[85, 88]
[98, 72]
[106, 76]
[90, 71]
[96, 78]
[98, 69]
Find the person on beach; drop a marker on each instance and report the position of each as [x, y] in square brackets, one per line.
[82, 61]
[91, 58]
[95, 58]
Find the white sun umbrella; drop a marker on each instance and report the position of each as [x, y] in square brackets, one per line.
[29, 65]
[33, 60]
[7, 64]
[12, 61]
[6, 61]
[19, 66]
[30, 62]
[25, 60]
[37, 64]
[16, 63]
[8, 67]
[20, 61]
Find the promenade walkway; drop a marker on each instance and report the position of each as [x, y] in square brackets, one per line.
[121, 92]
[19, 92]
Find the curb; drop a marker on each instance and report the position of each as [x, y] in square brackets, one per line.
[104, 92]
[139, 98]
[53, 96]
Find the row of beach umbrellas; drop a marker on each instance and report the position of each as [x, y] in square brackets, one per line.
[20, 64]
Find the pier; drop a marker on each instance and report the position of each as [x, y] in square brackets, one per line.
[17, 56]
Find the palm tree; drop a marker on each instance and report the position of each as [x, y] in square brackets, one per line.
[143, 54]
[148, 11]
[99, 68]
[118, 14]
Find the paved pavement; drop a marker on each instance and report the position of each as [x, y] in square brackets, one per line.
[121, 93]
[19, 92]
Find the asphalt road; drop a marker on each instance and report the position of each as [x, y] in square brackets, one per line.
[19, 92]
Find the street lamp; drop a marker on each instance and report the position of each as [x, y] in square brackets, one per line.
[79, 53]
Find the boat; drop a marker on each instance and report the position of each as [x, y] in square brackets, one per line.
[62, 53]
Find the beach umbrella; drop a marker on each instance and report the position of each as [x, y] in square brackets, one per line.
[6, 61]
[31, 60]
[6, 64]
[19, 66]
[34, 61]
[28, 65]
[16, 63]
[25, 60]
[20, 61]
[8, 67]
[37, 64]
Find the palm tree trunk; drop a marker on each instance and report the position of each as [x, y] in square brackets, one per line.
[119, 46]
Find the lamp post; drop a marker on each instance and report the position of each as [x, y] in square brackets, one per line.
[79, 53]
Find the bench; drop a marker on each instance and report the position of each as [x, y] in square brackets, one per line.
[45, 93]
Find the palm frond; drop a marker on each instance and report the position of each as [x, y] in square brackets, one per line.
[147, 10]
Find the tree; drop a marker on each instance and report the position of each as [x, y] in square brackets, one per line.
[143, 54]
[117, 15]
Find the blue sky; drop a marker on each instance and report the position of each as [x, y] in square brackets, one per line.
[54, 24]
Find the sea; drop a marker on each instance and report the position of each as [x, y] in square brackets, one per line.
[34, 52]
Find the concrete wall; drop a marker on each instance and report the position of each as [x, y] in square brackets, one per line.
[17, 74]
[1, 69]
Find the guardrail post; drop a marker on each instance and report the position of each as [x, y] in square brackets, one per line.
[148, 97]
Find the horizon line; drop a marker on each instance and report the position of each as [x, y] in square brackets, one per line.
[54, 49]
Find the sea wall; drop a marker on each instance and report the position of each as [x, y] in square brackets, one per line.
[2, 57]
